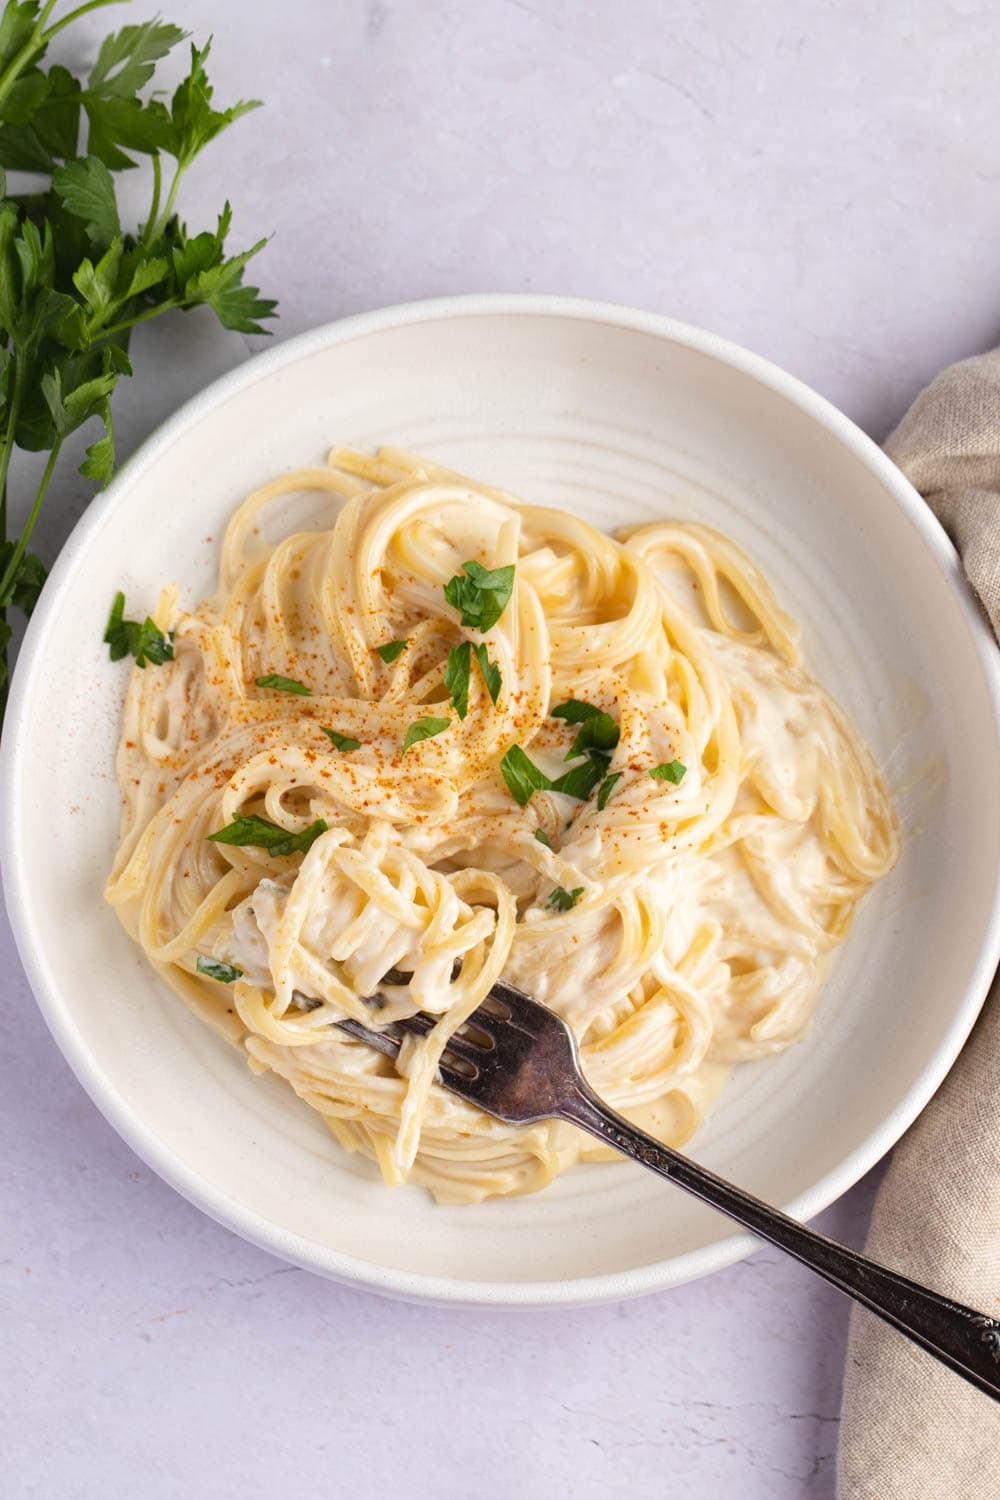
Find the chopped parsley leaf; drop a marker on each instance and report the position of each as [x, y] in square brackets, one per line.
[563, 900]
[391, 650]
[457, 672]
[146, 641]
[481, 595]
[342, 741]
[283, 684]
[490, 671]
[607, 787]
[261, 833]
[424, 729]
[581, 780]
[669, 770]
[597, 732]
[522, 776]
[543, 837]
[215, 969]
[597, 737]
[456, 677]
[574, 711]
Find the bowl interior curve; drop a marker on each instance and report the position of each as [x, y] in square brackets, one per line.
[620, 419]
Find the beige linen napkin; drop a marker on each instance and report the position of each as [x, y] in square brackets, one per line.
[910, 1427]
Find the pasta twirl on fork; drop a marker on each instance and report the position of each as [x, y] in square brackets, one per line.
[453, 736]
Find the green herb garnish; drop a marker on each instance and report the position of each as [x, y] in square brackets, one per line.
[457, 672]
[607, 787]
[490, 671]
[597, 732]
[562, 900]
[74, 278]
[28, 580]
[342, 741]
[482, 595]
[261, 833]
[145, 641]
[424, 729]
[391, 650]
[522, 776]
[580, 780]
[283, 684]
[215, 969]
[574, 711]
[669, 770]
[597, 737]
[543, 838]
[456, 677]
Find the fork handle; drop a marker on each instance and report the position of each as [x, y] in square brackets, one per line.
[965, 1340]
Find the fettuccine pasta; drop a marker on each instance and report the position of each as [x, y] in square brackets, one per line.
[623, 793]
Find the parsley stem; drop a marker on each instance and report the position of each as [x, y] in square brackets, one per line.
[74, 15]
[7, 448]
[143, 317]
[154, 207]
[168, 207]
[20, 60]
[20, 546]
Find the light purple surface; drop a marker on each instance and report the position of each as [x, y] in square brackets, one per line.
[817, 181]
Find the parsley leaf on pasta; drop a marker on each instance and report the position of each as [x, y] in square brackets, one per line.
[607, 787]
[456, 677]
[490, 671]
[391, 650]
[522, 776]
[283, 684]
[580, 780]
[543, 837]
[480, 594]
[562, 900]
[424, 729]
[598, 729]
[260, 833]
[574, 711]
[597, 737]
[597, 732]
[216, 969]
[457, 673]
[342, 741]
[669, 770]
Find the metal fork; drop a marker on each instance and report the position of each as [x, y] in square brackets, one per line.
[517, 1060]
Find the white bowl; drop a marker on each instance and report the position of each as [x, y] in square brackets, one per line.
[621, 416]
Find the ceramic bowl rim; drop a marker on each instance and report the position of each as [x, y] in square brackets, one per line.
[58, 1012]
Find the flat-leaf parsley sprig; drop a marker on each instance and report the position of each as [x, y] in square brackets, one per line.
[74, 281]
